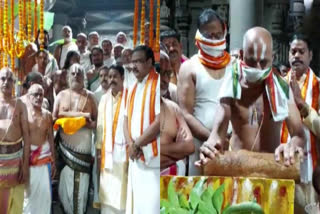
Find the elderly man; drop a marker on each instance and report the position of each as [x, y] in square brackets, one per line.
[82, 43]
[108, 59]
[14, 158]
[141, 130]
[61, 51]
[256, 100]
[305, 85]
[121, 38]
[111, 149]
[117, 50]
[93, 39]
[76, 111]
[171, 39]
[42, 161]
[200, 79]
[96, 57]
[34, 77]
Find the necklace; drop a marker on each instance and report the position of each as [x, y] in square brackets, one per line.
[77, 109]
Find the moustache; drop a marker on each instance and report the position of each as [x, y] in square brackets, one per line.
[173, 52]
[296, 62]
[113, 83]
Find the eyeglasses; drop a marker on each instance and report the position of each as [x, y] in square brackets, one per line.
[37, 94]
[138, 61]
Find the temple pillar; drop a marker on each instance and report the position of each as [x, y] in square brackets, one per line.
[245, 15]
[182, 17]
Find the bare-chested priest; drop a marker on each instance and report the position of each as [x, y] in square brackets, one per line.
[200, 79]
[175, 135]
[256, 100]
[42, 161]
[76, 109]
[14, 158]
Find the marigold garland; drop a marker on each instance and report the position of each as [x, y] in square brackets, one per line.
[35, 21]
[142, 22]
[12, 42]
[41, 36]
[5, 33]
[29, 21]
[1, 33]
[151, 5]
[157, 46]
[135, 22]
[20, 47]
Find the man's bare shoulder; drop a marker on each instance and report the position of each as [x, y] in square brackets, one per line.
[188, 67]
[46, 113]
[172, 105]
[90, 95]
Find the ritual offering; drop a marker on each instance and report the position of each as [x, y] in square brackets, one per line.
[244, 163]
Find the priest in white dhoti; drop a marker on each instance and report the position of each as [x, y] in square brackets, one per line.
[142, 133]
[111, 145]
[38, 191]
[75, 112]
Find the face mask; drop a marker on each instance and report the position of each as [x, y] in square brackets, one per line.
[214, 48]
[254, 75]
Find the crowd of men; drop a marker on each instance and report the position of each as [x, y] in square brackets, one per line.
[91, 112]
[87, 116]
[216, 101]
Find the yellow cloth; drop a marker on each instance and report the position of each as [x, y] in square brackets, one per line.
[11, 199]
[274, 195]
[312, 121]
[70, 125]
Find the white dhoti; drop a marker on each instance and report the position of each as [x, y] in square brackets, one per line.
[143, 189]
[75, 176]
[73, 183]
[38, 194]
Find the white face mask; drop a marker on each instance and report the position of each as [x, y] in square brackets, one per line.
[216, 47]
[254, 75]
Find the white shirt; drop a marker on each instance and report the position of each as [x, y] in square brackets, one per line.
[108, 62]
[65, 49]
[85, 61]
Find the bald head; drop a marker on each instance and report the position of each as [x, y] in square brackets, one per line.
[257, 48]
[35, 88]
[6, 70]
[6, 81]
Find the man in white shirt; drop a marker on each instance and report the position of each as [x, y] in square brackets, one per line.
[108, 59]
[82, 43]
[61, 51]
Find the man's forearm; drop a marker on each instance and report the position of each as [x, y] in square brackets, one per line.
[149, 134]
[126, 130]
[197, 128]
[166, 161]
[176, 150]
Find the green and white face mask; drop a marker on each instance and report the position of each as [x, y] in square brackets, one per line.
[255, 75]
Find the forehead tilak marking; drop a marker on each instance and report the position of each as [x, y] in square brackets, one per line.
[264, 48]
